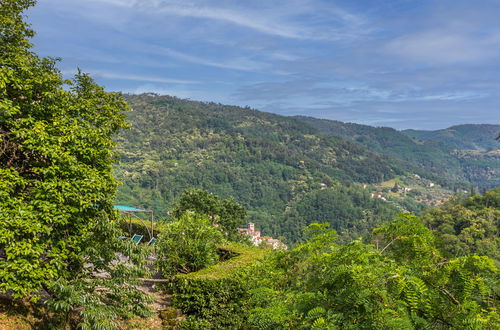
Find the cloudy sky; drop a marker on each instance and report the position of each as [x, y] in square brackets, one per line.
[423, 64]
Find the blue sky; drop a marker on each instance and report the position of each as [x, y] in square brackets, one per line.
[424, 64]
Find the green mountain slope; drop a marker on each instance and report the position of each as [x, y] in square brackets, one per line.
[473, 137]
[268, 163]
[449, 155]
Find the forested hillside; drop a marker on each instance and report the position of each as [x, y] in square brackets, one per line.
[474, 137]
[270, 164]
[465, 153]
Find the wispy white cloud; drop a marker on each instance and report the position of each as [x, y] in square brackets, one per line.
[452, 96]
[278, 21]
[133, 77]
[120, 3]
[360, 57]
[445, 47]
[282, 56]
[196, 93]
[238, 18]
[347, 93]
[241, 63]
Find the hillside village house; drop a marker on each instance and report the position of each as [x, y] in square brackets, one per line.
[257, 239]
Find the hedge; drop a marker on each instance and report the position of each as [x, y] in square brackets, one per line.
[216, 297]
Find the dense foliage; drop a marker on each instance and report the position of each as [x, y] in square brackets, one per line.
[469, 225]
[465, 153]
[399, 280]
[57, 224]
[470, 136]
[225, 214]
[188, 244]
[265, 161]
[349, 210]
[218, 296]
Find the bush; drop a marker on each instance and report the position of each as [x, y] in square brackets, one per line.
[188, 244]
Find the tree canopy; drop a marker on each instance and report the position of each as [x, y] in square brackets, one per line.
[399, 280]
[225, 213]
[57, 224]
[469, 225]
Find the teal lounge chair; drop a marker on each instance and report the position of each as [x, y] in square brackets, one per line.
[137, 238]
[152, 241]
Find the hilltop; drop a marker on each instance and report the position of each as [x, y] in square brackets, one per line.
[480, 137]
[465, 153]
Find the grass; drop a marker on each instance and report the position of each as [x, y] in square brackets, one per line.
[388, 183]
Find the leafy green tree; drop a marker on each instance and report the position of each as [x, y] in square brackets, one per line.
[468, 226]
[399, 281]
[188, 244]
[227, 214]
[57, 224]
[407, 240]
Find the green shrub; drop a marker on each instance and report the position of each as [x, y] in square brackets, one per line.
[221, 302]
[188, 244]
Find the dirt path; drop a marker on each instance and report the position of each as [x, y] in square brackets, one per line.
[165, 316]
[161, 300]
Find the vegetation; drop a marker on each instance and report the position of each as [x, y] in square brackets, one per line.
[468, 226]
[471, 136]
[218, 296]
[399, 280]
[268, 163]
[226, 214]
[460, 154]
[188, 244]
[58, 229]
[133, 225]
[349, 210]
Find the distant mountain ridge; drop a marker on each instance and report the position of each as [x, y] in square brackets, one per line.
[480, 137]
[460, 153]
